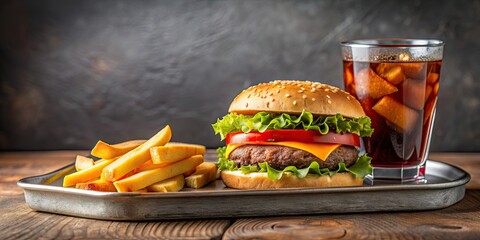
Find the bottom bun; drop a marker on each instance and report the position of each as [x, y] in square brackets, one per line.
[256, 180]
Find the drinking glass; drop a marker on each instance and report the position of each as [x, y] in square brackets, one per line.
[396, 82]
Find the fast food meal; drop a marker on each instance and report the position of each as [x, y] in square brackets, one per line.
[153, 165]
[288, 133]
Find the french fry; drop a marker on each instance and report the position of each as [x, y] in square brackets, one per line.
[108, 151]
[204, 174]
[147, 178]
[82, 162]
[396, 113]
[188, 173]
[97, 185]
[124, 176]
[98, 161]
[135, 157]
[173, 184]
[369, 84]
[86, 174]
[149, 165]
[174, 152]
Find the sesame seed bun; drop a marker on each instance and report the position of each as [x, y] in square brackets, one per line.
[257, 180]
[293, 96]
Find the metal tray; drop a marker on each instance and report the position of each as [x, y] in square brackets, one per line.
[445, 186]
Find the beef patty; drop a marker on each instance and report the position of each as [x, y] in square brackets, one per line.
[280, 157]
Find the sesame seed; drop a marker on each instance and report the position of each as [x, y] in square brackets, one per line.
[328, 96]
[287, 95]
[249, 95]
[329, 102]
[268, 104]
[313, 99]
[304, 96]
[348, 97]
[278, 90]
[271, 94]
[295, 102]
[273, 99]
[300, 91]
[246, 104]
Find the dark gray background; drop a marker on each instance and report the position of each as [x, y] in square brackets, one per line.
[73, 72]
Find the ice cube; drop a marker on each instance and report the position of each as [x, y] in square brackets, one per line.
[396, 113]
[369, 84]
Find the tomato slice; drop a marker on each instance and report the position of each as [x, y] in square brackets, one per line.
[306, 136]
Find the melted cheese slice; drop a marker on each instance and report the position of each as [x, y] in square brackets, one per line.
[320, 150]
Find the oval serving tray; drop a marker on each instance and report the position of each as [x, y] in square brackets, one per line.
[445, 186]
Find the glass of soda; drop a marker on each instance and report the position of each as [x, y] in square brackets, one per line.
[396, 82]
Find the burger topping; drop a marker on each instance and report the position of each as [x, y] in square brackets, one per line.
[360, 168]
[310, 141]
[304, 136]
[280, 157]
[263, 121]
[319, 150]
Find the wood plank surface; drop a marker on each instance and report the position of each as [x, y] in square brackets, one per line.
[17, 221]
[20, 222]
[461, 221]
[17, 165]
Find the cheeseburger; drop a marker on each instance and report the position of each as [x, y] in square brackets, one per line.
[287, 133]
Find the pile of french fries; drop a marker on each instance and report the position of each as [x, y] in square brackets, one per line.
[153, 165]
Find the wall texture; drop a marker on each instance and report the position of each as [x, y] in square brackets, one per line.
[73, 72]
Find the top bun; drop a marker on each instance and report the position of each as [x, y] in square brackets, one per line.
[292, 97]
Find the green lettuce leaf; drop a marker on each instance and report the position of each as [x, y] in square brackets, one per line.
[360, 168]
[263, 121]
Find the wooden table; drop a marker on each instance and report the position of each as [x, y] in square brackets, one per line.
[17, 221]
